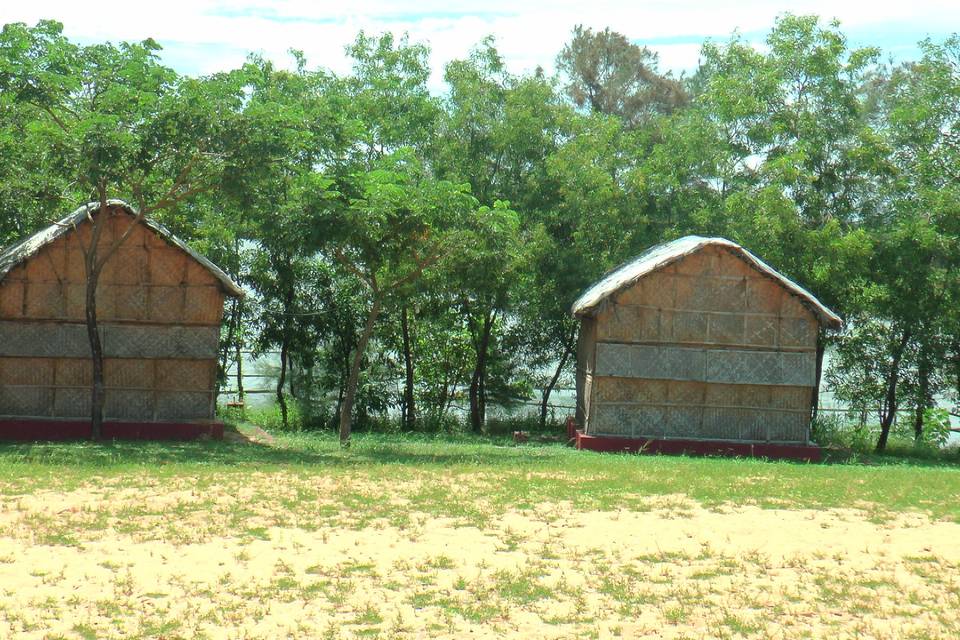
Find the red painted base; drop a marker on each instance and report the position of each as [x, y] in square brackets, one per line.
[810, 453]
[35, 429]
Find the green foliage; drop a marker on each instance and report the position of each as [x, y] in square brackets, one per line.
[410, 251]
[609, 74]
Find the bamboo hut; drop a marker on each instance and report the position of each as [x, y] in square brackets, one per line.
[159, 305]
[697, 345]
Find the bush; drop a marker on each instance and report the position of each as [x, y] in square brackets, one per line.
[837, 430]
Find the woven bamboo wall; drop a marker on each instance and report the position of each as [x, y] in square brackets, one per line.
[705, 348]
[159, 312]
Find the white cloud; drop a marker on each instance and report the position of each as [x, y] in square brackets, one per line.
[201, 36]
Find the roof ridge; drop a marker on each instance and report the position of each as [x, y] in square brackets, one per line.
[29, 246]
[661, 255]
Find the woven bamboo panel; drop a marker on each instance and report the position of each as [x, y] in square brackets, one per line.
[709, 293]
[124, 404]
[630, 390]
[75, 295]
[790, 306]
[71, 402]
[744, 367]
[798, 332]
[727, 366]
[799, 368]
[153, 241]
[586, 345]
[792, 398]
[126, 373]
[80, 235]
[144, 341]
[48, 265]
[76, 271]
[45, 300]
[183, 405]
[710, 423]
[685, 293]
[763, 295]
[26, 371]
[185, 375]
[73, 372]
[618, 323]
[584, 398]
[30, 339]
[655, 290]
[761, 330]
[689, 326]
[25, 401]
[198, 275]
[48, 339]
[126, 267]
[730, 263]
[129, 301]
[733, 424]
[707, 423]
[726, 328]
[11, 299]
[737, 395]
[167, 266]
[166, 304]
[72, 340]
[665, 326]
[700, 263]
[629, 323]
[203, 305]
[680, 422]
[628, 421]
[685, 393]
[788, 427]
[622, 323]
[681, 392]
[643, 361]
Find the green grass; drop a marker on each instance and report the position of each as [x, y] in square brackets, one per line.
[274, 509]
[481, 477]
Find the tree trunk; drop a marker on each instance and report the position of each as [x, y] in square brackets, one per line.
[409, 417]
[891, 397]
[285, 356]
[93, 267]
[349, 397]
[567, 350]
[815, 401]
[923, 393]
[226, 345]
[478, 380]
[239, 357]
[281, 380]
[97, 397]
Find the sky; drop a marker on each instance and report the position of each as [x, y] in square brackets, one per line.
[204, 36]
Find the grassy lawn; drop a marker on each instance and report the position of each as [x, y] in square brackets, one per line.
[446, 537]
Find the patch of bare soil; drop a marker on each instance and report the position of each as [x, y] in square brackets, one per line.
[675, 571]
[250, 434]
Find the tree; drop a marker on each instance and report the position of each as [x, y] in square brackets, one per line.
[390, 101]
[281, 179]
[496, 134]
[121, 125]
[608, 74]
[399, 225]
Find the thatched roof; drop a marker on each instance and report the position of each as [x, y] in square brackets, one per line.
[667, 253]
[29, 246]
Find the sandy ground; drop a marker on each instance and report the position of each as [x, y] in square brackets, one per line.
[675, 571]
